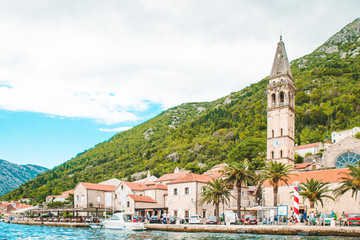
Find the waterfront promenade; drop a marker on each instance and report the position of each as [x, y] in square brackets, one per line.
[239, 229]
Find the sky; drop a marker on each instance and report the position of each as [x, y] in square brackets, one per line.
[73, 73]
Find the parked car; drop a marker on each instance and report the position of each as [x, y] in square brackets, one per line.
[155, 219]
[196, 219]
[231, 216]
[353, 218]
[249, 219]
[212, 220]
[324, 218]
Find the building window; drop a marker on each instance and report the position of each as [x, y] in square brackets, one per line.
[77, 198]
[272, 155]
[82, 198]
[243, 193]
[282, 97]
[349, 158]
[203, 213]
[273, 99]
[272, 133]
[175, 213]
[122, 187]
[187, 214]
[175, 192]
[128, 204]
[187, 190]
[98, 199]
[281, 153]
[281, 132]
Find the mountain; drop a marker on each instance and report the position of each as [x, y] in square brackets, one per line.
[196, 136]
[13, 175]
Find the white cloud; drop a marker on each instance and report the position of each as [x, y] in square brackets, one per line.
[119, 129]
[108, 60]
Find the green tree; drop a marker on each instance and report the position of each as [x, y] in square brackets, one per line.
[215, 192]
[247, 149]
[298, 158]
[350, 182]
[238, 174]
[70, 200]
[276, 172]
[315, 191]
[357, 135]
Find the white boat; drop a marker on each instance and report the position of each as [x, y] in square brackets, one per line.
[118, 221]
[95, 225]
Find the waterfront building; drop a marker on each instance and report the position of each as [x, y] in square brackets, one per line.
[6, 207]
[141, 198]
[184, 194]
[88, 195]
[344, 203]
[281, 109]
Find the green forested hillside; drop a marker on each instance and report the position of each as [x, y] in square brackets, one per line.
[196, 136]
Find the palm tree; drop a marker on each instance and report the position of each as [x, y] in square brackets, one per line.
[238, 173]
[350, 182]
[215, 191]
[314, 191]
[276, 172]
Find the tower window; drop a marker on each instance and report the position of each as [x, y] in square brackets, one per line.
[272, 133]
[272, 155]
[281, 153]
[282, 97]
[281, 132]
[273, 99]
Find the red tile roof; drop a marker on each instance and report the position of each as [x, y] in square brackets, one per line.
[53, 196]
[68, 192]
[137, 186]
[158, 186]
[192, 177]
[172, 176]
[308, 145]
[329, 175]
[138, 198]
[5, 204]
[301, 165]
[22, 205]
[214, 173]
[100, 187]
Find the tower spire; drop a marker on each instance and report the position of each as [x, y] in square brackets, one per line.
[281, 64]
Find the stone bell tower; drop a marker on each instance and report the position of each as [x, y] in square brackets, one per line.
[281, 110]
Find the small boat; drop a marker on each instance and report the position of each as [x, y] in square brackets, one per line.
[96, 225]
[117, 221]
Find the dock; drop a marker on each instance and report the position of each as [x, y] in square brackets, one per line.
[302, 230]
[51, 224]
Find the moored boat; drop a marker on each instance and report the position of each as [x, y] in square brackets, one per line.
[117, 221]
[96, 225]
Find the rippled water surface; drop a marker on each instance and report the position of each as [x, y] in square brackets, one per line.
[17, 231]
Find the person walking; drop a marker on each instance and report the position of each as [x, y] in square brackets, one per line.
[164, 218]
[305, 217]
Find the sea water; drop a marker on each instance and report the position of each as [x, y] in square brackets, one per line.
[18, 231]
